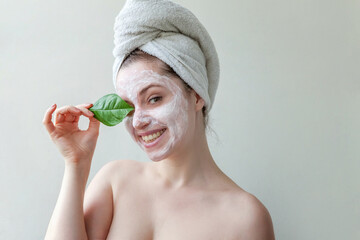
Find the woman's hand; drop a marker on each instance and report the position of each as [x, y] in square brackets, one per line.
[77, 146]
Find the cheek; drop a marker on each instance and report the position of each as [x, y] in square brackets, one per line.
[170, 113]
[163, 115]
[175, 115]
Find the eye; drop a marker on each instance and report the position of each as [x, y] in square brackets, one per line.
[154, 99]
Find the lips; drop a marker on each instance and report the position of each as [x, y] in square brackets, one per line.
[150, 138]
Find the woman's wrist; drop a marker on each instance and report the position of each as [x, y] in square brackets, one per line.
[78, 163]
[80, 170]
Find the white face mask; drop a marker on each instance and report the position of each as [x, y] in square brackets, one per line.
[164, 122]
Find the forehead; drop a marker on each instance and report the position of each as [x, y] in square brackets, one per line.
[140, 74]
[137, 67]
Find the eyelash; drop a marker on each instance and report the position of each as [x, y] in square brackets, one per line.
[155, 98]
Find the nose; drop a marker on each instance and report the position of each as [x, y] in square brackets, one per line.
[140, 119]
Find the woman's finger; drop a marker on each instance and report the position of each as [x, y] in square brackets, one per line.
[86, 112]
[69, 118]
[85, 109]
[94, 124]
[47, 119]
[85, 105]
[69, 110]
[72, 114]
[59, 118]
[77, 118]
[66, 114]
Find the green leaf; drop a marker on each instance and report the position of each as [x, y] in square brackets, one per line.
[110, 109]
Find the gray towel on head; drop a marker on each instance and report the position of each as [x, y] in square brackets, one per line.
[174, 35]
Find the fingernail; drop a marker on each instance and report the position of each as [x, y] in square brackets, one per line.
[53, 105]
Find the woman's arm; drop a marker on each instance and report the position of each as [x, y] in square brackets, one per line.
[67, 221]
[79, 216]
[77, 147]
[98, 203]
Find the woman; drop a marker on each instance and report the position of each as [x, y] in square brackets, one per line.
[181, 193]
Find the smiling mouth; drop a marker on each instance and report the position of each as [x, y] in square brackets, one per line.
[152, 137]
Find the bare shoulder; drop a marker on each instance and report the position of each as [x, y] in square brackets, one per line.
[253, 220]
[100, 195]
[124, 168]
[121, 173]
[122, 165]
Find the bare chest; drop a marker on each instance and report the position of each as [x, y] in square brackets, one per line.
[157, 216]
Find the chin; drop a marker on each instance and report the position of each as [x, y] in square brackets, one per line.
[157, 156]
[156, 159]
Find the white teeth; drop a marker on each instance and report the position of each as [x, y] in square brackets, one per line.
[152, 137]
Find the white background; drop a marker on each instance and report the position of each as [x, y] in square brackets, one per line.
[286, 112]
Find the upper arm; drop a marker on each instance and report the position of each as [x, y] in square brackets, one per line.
[256, 222]
[98, 203]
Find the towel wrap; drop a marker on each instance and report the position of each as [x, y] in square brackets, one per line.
[174, 35]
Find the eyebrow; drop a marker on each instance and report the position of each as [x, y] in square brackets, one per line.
[149, 86]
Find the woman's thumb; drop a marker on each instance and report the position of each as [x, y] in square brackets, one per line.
[94, 124]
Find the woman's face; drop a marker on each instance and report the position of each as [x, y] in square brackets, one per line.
[160, 119]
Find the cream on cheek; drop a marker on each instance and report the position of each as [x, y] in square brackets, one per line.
[171, 115]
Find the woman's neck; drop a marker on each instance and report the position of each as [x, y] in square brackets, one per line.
[193, 166]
